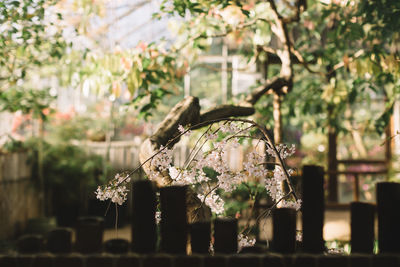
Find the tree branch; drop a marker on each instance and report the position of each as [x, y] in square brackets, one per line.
[300, 6]
[276, 84]
[280, 30]
[289, 5]
[225, 111]
[222, 34]
[303, 62]
[185, 112]
[341, 64]
[104, 28]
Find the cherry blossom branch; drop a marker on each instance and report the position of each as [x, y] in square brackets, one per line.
[197, 210]
[226, 178]
[199, 125]
[269, 140]
[270, 162]
[197, 142]
[266, 213]
[251, 213]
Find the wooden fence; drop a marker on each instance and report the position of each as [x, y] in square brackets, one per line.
[18, 198]
[175, 230]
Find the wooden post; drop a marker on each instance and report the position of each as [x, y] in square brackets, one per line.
[59, 240]
[116, 246]
[89, 235]
[225, 235]
[173, 219]
[284, 230]
[30, 244]
[388, 199]
[362, 227]
[313, 209]
[144, 234]
[200, 237]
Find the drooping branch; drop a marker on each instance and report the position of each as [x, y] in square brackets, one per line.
[274, 84]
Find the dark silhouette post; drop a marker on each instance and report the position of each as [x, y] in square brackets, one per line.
[173, 219]
[225, 235]
[200, 237]
[89, 234]
[59, 240]
[313, 209]
[362, 227]
[284, 230]
[388, 199]
[144, 234]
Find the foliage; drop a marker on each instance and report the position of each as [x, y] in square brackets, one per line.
[355, 46]
[68, 169]
[30, 39]
[27, 101]
[147, 72]
[12, 145]
[346, 50]
[350, 49]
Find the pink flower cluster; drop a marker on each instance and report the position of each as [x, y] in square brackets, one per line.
[116, 190]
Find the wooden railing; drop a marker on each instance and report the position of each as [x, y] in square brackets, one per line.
[175, 230]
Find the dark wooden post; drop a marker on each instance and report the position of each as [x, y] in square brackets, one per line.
[43, 260]
[173, 219]
[284, 230]
[225, 235]
[186, 261]
[313, 209]
[69, 260]
[362, 227]
[332, 261]
[128, 260]
[116, 246]
[99, 261]
[200, 237]
[388, 199]
[89, 234]
[59, 240]
[305, 260]
[218, 260]
[144, 234]
[360, 260]
[29, 244]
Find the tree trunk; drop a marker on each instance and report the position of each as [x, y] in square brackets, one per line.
[277, 118]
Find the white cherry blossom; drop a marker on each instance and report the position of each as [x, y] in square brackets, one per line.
[245, 241]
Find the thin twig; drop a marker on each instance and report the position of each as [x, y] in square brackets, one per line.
[266, 213]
